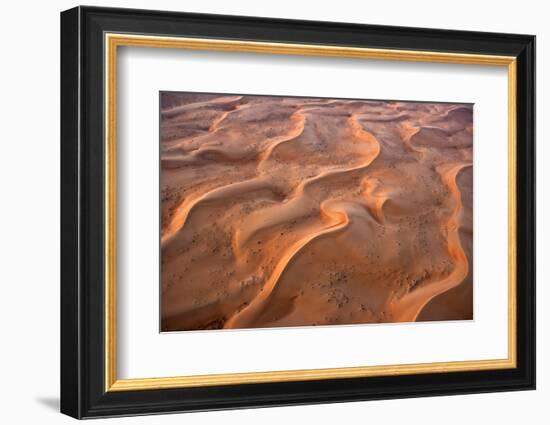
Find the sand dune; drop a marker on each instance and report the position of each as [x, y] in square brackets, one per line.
[302, 212]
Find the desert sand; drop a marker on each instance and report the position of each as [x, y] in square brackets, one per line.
[285, 211]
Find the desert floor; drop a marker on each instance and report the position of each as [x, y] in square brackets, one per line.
[281, 211]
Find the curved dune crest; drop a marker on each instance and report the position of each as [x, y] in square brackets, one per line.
[281, 211]
[298, 203]
[300, 120]
[185, 207]
[375, 198]
[409, 307]
[336, 217]
[231, 190]
[177, 110]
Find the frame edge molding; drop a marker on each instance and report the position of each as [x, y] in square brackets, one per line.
[84, 381]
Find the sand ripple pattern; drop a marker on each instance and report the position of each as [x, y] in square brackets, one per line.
[304, 212]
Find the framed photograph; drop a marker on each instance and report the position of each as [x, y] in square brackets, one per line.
[261, 212]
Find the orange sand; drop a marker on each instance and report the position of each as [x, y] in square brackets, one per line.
[280, 211]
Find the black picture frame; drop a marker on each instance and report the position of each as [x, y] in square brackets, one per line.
[83, 392]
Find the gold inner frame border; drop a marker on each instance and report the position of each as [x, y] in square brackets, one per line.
[111, 43]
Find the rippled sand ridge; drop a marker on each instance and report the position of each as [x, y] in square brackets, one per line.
[286, 211]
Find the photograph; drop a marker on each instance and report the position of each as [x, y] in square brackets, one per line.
[281, 211]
